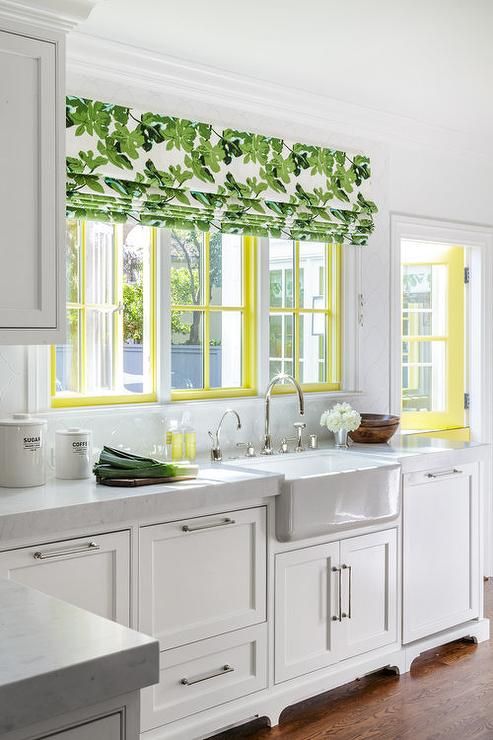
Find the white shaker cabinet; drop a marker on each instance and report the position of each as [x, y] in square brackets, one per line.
[32, 199]
[334, 601]
[441, 554]
[369, 581]
[202, 577]
[90, 572]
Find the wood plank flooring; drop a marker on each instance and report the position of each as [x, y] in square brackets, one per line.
[448, 694]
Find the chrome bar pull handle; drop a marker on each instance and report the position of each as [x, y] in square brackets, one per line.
[191, 681]
[338, 618]
[350, 589]
[211, 525]
[46, 554]
[443, 473]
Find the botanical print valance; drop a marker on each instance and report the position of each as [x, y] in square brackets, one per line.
[160, 170]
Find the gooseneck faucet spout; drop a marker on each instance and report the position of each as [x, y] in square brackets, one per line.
[216, 453]
[280, 378]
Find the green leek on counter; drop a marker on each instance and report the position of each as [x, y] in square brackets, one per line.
[114, 463]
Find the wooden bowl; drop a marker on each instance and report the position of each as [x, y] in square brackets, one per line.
[375, 429]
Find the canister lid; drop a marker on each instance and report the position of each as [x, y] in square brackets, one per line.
[72, 431]
[22, 420]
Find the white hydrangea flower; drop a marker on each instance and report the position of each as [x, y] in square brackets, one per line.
[341, 417]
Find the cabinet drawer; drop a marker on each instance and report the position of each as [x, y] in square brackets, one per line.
[90, 572]
[204, 576]
[205, 674]
[106, 728]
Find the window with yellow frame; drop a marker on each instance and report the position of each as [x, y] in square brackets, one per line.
[213, 317]
[305, 313]
[433, 343]
[109, 357]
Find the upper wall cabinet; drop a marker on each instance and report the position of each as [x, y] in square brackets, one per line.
[31, 187]
[32, 167]
[31, 204]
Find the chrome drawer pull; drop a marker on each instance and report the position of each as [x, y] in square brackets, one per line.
[191, 681]
[222, 523]
[442, 473]
[39, 555]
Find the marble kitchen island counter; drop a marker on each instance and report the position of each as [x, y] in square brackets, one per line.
[56, 658]
[62, 505]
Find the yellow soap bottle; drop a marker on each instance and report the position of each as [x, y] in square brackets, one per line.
[190, 438]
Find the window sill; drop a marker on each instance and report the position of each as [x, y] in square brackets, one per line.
[155, 406]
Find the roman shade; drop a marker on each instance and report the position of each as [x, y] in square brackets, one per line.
[160, 170]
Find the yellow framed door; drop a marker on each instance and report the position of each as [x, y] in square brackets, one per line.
[433, 357]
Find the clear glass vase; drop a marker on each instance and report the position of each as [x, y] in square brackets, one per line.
[341, 438]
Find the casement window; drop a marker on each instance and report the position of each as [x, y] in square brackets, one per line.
[207, 341]
[433, 357]
[109, 356]
[213, 316]
[305, 312]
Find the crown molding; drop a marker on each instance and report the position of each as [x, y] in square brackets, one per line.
[59, 15]
[90, 58]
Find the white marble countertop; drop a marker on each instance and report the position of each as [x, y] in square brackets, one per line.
[55, 657]
[62, 505]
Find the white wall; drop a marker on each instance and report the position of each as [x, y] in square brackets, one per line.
[417, 170]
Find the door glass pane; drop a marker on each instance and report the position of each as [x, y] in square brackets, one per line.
[100, 267]
[68, 356]
[313, 352]
[313, 275]
[100, 357]
[136, 349]
[225, 270]
[187, 253]
[281, 270]
[424, 378]
[225, 344]
[73, 261]
[187, 349]
[424, 300]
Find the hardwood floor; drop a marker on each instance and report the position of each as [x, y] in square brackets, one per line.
[448, 694]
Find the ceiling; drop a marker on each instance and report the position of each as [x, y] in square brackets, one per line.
[430, 60]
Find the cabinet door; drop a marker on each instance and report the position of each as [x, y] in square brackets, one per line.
[307, 608]
[369, 592]
[90, 572]
[31, 183]
[202, 577]
[441, 531]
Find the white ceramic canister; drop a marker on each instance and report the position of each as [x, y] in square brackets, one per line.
[73, 453]
[22, 451]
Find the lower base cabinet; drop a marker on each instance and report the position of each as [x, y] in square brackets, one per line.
[205, 674]
[442, 585]
[334, 601]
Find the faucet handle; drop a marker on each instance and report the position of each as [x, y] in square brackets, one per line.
[284, 444]
[299, 426]
[250, 448]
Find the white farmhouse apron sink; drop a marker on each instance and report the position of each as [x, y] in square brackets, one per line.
[330, 492]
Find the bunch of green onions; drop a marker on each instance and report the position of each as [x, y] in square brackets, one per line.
[119, 464]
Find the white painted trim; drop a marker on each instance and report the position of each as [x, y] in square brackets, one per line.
[62, 15]
[92, 60]
[352, 319]
[163, 327]
[479, 242]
